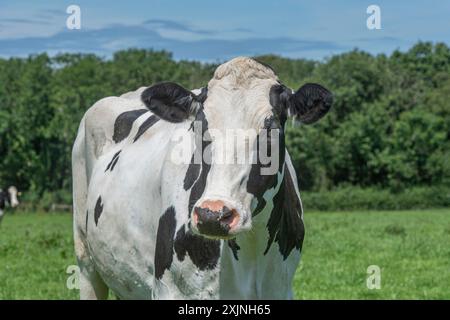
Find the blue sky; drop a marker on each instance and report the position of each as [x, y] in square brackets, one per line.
[209, 30]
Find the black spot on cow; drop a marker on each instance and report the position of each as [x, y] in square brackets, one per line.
[203, 95]
[124, 124]
[145, 126]
[113, 161]
[87, 217]
[192, 174]
[278, 96]
[204, 253]
[234, 248]
[204, 150]
[260, 206]
[98, 210]
[285, 224]
[164, 242]
[258, 183]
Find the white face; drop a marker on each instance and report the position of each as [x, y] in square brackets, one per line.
[13, 197]
[235, 118]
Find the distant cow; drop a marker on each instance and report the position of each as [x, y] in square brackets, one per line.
[149, 227]
[8, 197]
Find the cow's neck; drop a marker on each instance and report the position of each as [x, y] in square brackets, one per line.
[244, 277]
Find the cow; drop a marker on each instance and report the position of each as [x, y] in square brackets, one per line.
[149, 226]
[8, 197]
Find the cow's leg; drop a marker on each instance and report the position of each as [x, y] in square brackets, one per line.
[92, 286]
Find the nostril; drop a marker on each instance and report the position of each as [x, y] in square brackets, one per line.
[228, 216]
[227, 220]
[225, 213]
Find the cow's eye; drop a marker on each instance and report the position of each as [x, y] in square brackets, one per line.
[271, 123]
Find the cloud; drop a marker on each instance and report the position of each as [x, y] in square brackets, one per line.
[379, 39]
[24, 21]
[245, 30]
[173, 25]
[55, 12]
[50, 14]
[106, 40]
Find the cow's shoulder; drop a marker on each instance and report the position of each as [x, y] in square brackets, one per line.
[110, 120]
[105, 111]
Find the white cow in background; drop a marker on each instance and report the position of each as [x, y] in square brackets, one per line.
[147, 227]
[8, 197]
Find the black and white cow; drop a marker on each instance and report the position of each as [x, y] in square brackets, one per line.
[149, 226]
[8, 197]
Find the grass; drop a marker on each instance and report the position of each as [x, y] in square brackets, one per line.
[35, 250]
[411, 248]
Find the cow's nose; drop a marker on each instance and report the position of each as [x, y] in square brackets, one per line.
[214, 218]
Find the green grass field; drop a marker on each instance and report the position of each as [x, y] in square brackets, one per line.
[412, 248]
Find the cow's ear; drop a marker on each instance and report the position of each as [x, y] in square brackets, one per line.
[309, 103]
[172, 102]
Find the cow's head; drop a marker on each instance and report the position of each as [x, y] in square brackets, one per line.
[246, 104]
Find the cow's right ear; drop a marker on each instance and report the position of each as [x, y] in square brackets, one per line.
[172, 102]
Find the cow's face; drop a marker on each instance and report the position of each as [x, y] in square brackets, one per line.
[240, 119]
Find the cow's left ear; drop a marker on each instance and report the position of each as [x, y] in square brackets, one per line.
[172, 102]
[309, 103]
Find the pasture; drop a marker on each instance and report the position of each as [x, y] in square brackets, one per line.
[411, 248]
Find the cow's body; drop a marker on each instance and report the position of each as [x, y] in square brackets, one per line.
[132, 220]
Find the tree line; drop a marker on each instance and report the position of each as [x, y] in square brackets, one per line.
[388, 128]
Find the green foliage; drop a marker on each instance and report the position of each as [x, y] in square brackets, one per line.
[354, 198]
[389, 126]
